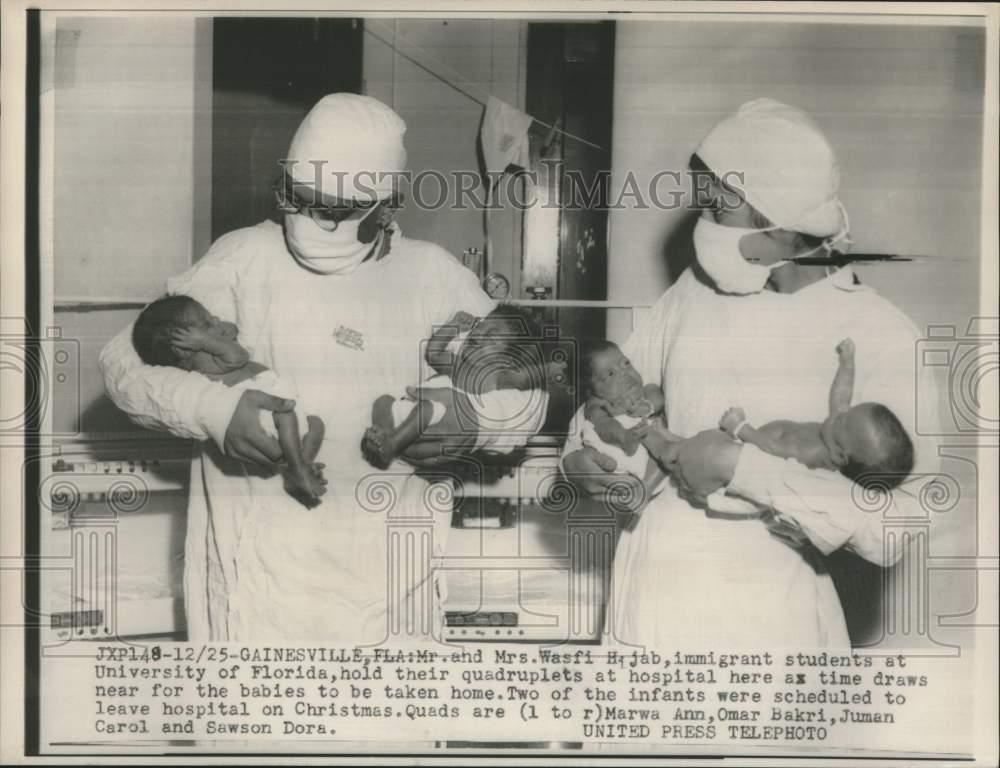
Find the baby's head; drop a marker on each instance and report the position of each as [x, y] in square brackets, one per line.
[606, 373]
[152, 335]
[870, 445]
[505, 344]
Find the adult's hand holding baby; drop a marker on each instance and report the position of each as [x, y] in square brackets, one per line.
[245, 440]
[701, 464]
[595, 475]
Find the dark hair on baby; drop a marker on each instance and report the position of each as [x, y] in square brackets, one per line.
[522, 318]
[521, 351]
[589, 350]
[152, 330]
[894, 456]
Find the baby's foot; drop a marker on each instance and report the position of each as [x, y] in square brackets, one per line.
[382, 412]
[731, 420]
[306, 482]
[846, 349]
[378, 446]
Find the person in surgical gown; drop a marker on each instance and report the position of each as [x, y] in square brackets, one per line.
[337, 301]
[747, 324]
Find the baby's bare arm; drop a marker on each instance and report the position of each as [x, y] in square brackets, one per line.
[229, 354]
[842, 389]
[766, 442]
[608, 428]
[654, 395]
[789, 440]
[437, 354]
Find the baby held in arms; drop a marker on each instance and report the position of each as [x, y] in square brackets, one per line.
[492, 377]
[866, 442]
[617, 407]
[178, 331]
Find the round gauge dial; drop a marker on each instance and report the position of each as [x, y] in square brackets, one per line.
[497, 286]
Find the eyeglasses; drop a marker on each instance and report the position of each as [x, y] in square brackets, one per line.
[328, 216]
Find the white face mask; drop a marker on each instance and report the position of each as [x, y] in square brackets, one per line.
[718, 250]
[330, 253]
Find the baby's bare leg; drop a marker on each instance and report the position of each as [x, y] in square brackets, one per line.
[842, 389]
[302, 477]
[313, 440]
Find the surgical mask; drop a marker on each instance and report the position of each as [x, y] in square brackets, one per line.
[339, 252]
[718, 250]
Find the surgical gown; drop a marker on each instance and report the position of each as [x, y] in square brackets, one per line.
[687, 576]
[259, 566]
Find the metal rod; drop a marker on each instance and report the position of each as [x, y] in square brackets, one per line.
[87, 304]
[577, 304]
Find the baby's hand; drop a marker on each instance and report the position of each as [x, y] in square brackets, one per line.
[641, 409]
[846, 348]
[731, 420]
[631, 441]
[463, 320]
[188, 339]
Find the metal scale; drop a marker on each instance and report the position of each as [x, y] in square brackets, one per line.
[114, 540]
[526, 560]
[521, 561]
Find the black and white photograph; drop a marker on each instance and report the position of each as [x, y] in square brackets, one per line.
[479, 382]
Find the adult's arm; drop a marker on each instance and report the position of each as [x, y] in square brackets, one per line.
[186, 404]
[833, 511]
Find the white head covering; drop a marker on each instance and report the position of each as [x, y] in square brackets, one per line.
[790, 173]
[359, 141]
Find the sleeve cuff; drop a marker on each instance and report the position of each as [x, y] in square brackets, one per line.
[215, 410]
[574, 441]
[770, 481]
[754, 471]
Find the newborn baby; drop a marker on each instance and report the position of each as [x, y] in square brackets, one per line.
[617, 403]
[492, 375]
[178, 331]
[866, 442]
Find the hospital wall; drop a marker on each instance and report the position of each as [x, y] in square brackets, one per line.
[478, 57]
[903, 108]
[128, 107]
